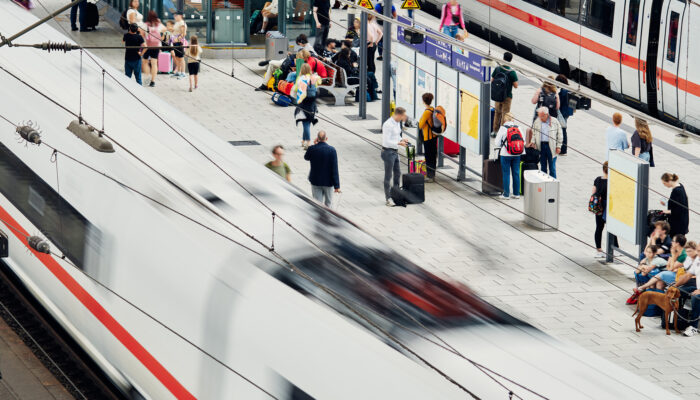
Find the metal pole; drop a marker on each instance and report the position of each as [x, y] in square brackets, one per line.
[485, 118]
[440, 152]
[362, 90]
[351, 18]
[281, 16]
[462, 165]
[386, 64]
[209, 22]
[39, 22]
[609, 247]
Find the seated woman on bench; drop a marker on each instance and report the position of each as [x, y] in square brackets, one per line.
[681, 260]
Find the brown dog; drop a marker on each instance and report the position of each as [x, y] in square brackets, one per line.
[666, 301]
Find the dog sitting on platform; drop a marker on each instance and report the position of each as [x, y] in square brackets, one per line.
[666, 301]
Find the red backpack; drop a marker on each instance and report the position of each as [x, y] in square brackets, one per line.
[514, 141]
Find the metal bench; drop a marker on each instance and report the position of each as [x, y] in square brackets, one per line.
[338, 86]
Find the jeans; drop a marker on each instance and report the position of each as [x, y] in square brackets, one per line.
[380, 47]
[645, 156]
[322, 194]
[80, 7]
[391, 164]
[563, 142]
[306, 133]
[642, 279]
[322, 35]
[695, 313]
[430, 150]
[451, 30]
[370, 59]
[510, 165]
[548, 159]
[501, 108]
[135, 67]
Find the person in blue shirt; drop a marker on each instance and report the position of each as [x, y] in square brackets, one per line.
[616, 138]
[323, 174]
[380, 9]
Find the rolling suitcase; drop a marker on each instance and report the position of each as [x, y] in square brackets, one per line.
[413, 187]
[492, 177]
[92, 16]
[526, 166]
[165, 62]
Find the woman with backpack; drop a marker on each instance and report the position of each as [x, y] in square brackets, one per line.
[430, 139]
[132, 15]
[564, 111]
[451, 19]
[641, 141]
[547, 96]
[305, 95]
[600, 193]
[511, 146]
[153, 38]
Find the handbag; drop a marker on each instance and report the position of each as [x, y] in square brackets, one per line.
[595, 204]
[562, 120]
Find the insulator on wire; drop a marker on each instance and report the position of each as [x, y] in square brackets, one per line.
[53, 46]
[39, 244]
[90, 136]
[29, 133]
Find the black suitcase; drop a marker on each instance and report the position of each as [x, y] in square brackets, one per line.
[526, 166]
[492, 177]
[413, 186]
[92, 17]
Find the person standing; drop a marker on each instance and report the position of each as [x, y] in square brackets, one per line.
[374, 35]
[379, 8]
[600, 188]
[615, 137]
[133, 16]
[154, 30]
[322, 16]
[503, 107]
[194, 56]
[678, 209]
[132, 56]
[278, 165]
[323, 174]
[510, 163]
[641, 141]
[545, 135]
[78, 8]
[547, 96]
[565, 111]
[391, 140]
[451, 19]
[430, 139]
[179, 38]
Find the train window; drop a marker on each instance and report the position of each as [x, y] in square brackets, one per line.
[632, 20]
[555, 6]
[598, 15]
[44, 207]
[572, 9]
[672, 37]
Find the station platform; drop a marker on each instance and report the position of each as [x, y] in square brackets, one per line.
[548, 279]
[24, 377]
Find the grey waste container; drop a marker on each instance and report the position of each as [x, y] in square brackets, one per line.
[276, 45]
[541, 200]
[228, 25]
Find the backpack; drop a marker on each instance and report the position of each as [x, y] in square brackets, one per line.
[595, 204]
[123, 22]
[153, 36]
[499, 85]
[439, 121]
[514, 141]
[548, 100]
[281, 100]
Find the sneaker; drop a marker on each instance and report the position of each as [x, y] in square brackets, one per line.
[380, 58]
[74, 28]
[180, 76]
[515, 197]
[429, 180]
[260, 32]
[152, 84]
[263, 63]
[390, 203]
[690, 331]
[599, 254]
[190, 90]
[502, 197]
[261, 88]
[493, 134]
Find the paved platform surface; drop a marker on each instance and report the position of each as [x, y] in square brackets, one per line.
[24, 377]
[549, 279]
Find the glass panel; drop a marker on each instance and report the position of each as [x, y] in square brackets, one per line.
[195, 13]
[599, 15]
[169, 8]
[300, 18]
[632, 19]
[672, 37]
[572, 9]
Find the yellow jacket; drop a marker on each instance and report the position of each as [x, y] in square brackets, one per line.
[425, 124]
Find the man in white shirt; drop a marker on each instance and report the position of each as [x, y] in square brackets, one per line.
[391, 140]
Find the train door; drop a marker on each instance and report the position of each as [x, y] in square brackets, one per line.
[653, 21]
[670, 53]
[630, 51]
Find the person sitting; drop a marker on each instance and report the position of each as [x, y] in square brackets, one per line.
[269, 11]
[344, 61]
[682, 256]
[316, 65]
[302, 43]
[647, 269]
[661, 238]
[329, 51]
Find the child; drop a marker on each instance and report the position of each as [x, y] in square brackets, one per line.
[649, 266]
[179, 38]
[194, 55]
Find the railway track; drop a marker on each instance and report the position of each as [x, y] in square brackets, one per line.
[50, 343]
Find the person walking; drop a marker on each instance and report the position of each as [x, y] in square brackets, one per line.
[600, 188]
[323, 174]
[503, 107]
[132, 56]
[678, 211]
[615, 138]
[510, 163]
[306, 110]
[451, 19]
[379, 8]
[641, 141]
[565, 111]
[430, 139]
[278, 165]
[78, 8]
[545, 136]
[322, 16]
[391, 140]
[154, 30]
[194, 56]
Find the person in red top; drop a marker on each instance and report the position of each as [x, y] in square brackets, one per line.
[451, 19]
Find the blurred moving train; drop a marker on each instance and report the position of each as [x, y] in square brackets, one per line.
[641, 52]
[242, 315]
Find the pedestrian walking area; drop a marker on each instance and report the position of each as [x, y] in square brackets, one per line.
[549, 279]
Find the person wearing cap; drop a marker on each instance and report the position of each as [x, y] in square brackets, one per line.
[179, 37]
[132, 57]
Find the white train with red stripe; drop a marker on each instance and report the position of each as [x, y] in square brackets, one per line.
[234, 310]
[640, 51]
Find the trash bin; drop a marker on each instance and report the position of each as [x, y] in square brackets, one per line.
[541, 200]
[276, 45]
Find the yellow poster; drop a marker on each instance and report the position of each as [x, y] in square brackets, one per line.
[621, 194]
[469, 118]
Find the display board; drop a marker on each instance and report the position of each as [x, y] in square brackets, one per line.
[405, 78]
[447, 97]
[627, 199]
[425, 80]
[469, 102]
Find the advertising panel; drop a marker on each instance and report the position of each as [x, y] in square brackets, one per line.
[425, 80]
[627, 197]
[447, 97]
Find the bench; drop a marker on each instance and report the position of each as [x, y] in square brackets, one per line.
[338, 86]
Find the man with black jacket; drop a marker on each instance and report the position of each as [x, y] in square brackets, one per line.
[323, 174]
